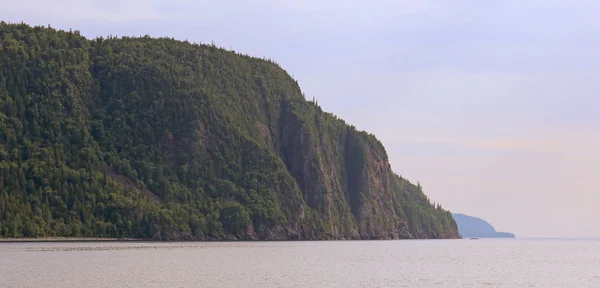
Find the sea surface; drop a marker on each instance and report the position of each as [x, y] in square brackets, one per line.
[424, 263]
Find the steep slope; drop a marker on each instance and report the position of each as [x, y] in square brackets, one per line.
[470, 226]
[157, 138]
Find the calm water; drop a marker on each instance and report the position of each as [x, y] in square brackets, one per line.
[450, 263]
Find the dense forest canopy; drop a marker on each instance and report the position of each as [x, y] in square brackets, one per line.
[161, 139]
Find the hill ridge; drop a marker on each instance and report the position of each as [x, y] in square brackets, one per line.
[470, 226]
[227, 143]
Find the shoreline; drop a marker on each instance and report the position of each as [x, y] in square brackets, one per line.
[92, 239]
[69, 239]
[107, 240]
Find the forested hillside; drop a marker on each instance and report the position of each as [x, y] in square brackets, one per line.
[162, 139]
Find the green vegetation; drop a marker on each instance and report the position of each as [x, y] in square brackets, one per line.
[162, 139]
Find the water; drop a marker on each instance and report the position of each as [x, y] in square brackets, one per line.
[449, 263]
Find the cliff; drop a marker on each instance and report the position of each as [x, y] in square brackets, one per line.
[470, 226]
[163, 139]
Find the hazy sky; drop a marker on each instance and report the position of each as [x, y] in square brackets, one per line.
[493, 106]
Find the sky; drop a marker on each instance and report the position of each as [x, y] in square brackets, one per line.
[492, 106]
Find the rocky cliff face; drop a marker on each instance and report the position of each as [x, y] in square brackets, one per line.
[156, 138]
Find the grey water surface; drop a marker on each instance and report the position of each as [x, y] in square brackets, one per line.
[425, 263]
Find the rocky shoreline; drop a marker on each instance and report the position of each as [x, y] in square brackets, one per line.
[67, 239]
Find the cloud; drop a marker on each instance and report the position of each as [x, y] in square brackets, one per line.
[287, 16]
[84, 10]
[567, 143]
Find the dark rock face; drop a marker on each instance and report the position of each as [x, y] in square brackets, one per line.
[470, 226]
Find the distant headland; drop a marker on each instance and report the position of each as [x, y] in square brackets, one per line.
[469, 227]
